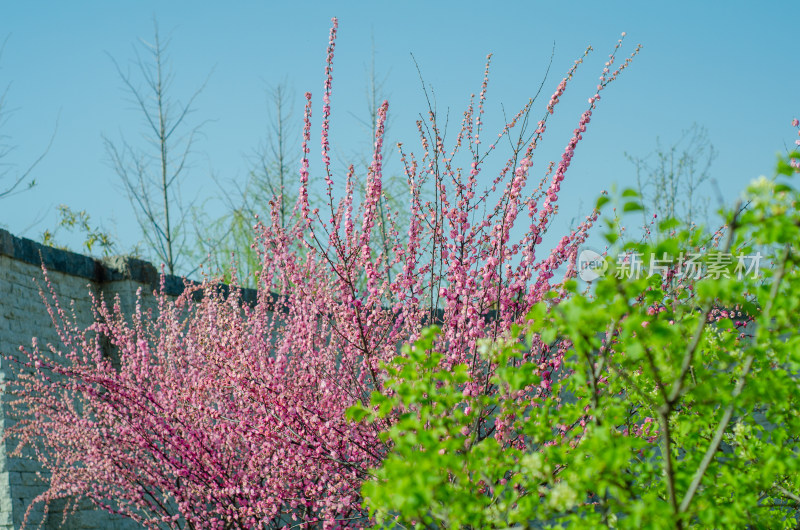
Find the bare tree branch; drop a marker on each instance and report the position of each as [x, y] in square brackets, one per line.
[274, 166]
[671, 184]
[23, 176]
[152, 178]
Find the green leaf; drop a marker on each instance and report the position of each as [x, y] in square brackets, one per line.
[357, 413]
[611, 237]
[784, 168]
[548, 335]
[668, 224]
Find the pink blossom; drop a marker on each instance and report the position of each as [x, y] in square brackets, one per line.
[230, 415]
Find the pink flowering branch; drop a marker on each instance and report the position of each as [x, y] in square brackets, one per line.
[223, 415]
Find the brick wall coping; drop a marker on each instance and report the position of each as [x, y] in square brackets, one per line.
[98, 271]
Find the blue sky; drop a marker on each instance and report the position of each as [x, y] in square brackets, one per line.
[729, 66]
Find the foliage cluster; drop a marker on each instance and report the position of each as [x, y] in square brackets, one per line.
[669, 413]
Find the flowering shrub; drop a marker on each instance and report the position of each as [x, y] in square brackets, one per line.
[665, 418]
[223, 415]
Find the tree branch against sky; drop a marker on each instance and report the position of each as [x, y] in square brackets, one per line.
[52, 71]
[152, 175]
[391, 205]
[670, 179]
[12, 179]
[273, 175]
